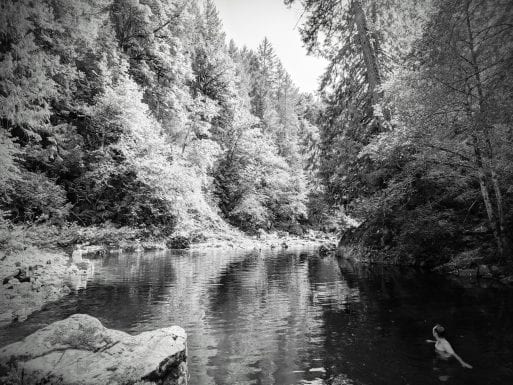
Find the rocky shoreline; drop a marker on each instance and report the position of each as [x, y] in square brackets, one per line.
[80, 350]
[32, 278]
[266, 241]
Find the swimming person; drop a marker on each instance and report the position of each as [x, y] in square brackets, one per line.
[443, 347]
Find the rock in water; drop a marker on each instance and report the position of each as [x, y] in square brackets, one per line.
[76, 256]
[80, 350]
[328, 249]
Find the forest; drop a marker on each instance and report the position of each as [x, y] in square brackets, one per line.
[138, 116]
[416, 125]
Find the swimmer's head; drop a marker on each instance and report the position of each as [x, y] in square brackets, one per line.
[438, 331]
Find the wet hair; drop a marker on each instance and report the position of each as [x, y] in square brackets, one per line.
[440, 330]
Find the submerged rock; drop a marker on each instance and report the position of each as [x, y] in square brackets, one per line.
[80, 350]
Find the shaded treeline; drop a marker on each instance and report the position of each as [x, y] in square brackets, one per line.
[416, 131]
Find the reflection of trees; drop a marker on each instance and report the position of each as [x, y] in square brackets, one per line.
[255, 316]
[271, 310]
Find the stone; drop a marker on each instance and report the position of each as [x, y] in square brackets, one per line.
[24, 288]
[323, 251]
[36, 285]
[6, 318]
[261, 234]
[327, 249]
[20, 274]
[51, 292]
[483, 271]
[468, 273]
[80, 350]
[76, 256]
[93, 250]
[341, 379]
[77, 281]
[22, 314]
[12, 283]
[507, 280]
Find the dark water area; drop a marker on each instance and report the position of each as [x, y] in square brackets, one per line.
[295, 318]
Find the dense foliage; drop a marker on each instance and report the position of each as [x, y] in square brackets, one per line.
[138, 113]
[416, 133]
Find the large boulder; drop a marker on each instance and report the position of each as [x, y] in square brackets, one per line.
[80, 350]
[178, 242]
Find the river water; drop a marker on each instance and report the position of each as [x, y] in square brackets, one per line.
[291, 317]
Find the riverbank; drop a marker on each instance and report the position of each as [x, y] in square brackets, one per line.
[31, 278]
[467, 265]
[273, 240]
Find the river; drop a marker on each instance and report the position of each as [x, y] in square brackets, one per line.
[291, 317]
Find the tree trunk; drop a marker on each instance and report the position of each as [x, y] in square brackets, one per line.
[498, 220]
[485, 193]
[370, 59]
[369, 55]
[500, 214]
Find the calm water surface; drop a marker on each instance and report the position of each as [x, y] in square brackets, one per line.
[292, 317]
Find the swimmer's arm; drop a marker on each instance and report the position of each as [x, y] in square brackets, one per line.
[450, 350]
[431, 341]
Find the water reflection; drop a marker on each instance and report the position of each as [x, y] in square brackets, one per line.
[292, 317]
